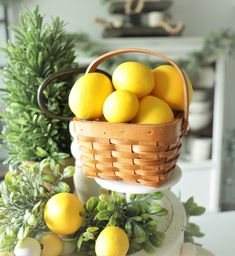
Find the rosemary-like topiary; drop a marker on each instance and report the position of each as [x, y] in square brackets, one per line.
[37, 51]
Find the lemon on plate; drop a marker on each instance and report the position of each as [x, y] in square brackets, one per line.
[120, 106]
[88, 94]
[62, 213]
[134, 77]
[51, 245]
[169, 86]
[112, 241]
[153, 110]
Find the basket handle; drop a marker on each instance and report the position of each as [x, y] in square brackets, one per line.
[48, 82]
[92, 67]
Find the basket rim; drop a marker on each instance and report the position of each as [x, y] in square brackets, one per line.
[177, 118]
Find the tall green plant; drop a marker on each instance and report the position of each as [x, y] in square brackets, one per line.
[37, 51]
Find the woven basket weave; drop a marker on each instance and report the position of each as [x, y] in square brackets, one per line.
[137, 153]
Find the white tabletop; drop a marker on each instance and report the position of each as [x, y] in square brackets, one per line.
[219, 230]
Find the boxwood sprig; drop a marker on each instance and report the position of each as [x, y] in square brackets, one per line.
[138, 215]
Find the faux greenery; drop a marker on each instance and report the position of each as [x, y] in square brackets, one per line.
[137, 216]
[215, 43]
[37, 51]
[230, 146]
[192, 230]
[23, 196]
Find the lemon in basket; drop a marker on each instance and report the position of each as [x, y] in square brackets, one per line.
[62, 213]
[120, 106]
[112, 241]
[88, 94]
[169, 86]
[134, 77]
[153, 110]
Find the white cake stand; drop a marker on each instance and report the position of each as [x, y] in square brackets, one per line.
[135, 188]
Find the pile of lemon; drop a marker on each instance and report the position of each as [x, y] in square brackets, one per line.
[62, 215]
[136, 94]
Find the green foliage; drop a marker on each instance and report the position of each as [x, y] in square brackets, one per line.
[138, 216]
[191, 229]
[215, 43]
[37, 51]
[230, 146]
[24, 194]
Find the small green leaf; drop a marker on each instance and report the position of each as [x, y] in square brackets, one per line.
[112, 221]
[137, 218]
[199, 210]
[154, 208]
[48, 178]
[128, 227]
[139, 231]
[68, 172]
[56, 170]
[156, 195]
[111, 207]
[148, 247]
[80, 241]
[139, 240]
[91, 203]
[32, 220]
[105, 198]
[8, 178]
[101, 206]
[162, 212]
[61, 187]
[92, 229]
[88, 236]
[41, 152]
[103, 215]
[156, 239]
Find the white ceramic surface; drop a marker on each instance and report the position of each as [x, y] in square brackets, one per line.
[155, 18]
[206, 77]
[133, 188]
[199, 121]
[200, 95]
[200, 148]
[197, 107]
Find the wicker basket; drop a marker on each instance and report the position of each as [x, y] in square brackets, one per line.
[138, 153]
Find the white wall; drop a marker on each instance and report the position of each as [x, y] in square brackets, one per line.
[203, 16]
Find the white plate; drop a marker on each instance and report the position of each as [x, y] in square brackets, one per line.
[133, 188]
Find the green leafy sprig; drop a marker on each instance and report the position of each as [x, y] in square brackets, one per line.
[24, 194]
[192, 230]
[138, 216]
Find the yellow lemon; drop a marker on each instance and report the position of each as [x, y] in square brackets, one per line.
[153, 110]
[169, 86]
[120, 106]
[62, 213]
[112, 241]
[6, 254]
[134, 77]
[88, 94]
[51, 245]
